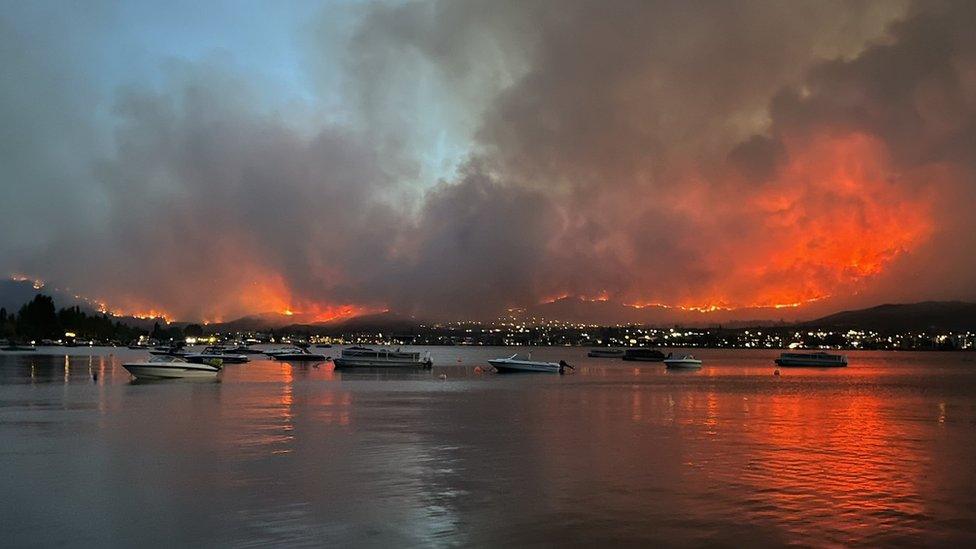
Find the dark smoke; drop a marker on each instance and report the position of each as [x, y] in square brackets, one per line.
[732, 154]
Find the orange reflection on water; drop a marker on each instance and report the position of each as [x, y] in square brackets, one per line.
[837, 460]
[335, 407]
[264, 419]
[286, 416]
[635, 404]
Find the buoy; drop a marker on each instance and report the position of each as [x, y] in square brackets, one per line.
[776, 372]
[478, 370]
[443, 376]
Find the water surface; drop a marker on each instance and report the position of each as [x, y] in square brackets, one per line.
[879, 453]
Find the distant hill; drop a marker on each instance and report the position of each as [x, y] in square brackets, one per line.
[382, 322]
[387, 322]
[608, 313]
[574, 309]
[14, 293]
[927, 315]
[255, 323]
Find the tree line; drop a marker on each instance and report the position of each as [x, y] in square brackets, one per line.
[39, 319]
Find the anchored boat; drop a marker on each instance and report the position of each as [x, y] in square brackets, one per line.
[605, 353]
[281, 350]
[819, 359]
[644, 355]
[683, 361]
[513, 364]
[170, 367]
[245, 350]
[299, 354]
[364, 357]
[16, 347]
[217, 353]
[175, 350]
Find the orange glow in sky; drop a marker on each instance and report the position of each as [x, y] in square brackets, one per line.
[833, 216]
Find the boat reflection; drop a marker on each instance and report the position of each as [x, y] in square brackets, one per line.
[196, 380]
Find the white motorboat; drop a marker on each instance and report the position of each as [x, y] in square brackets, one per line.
[168, 351]
[282, 350]
[216, 353]
[17, 347]
[606, 353]
[245, 350]
[820, 359]
[170, 367]
[684, 361]
[513, 364]
[364, 357]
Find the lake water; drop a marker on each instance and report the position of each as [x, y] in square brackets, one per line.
[880, 453]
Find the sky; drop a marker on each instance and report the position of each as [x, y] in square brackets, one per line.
[456, 159]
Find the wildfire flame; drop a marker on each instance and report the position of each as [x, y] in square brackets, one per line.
[832, 217]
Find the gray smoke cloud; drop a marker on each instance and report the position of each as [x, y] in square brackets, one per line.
[489, 155]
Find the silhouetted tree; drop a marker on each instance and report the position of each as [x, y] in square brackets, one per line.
[193, 330]
[37, 319]
[8, 327]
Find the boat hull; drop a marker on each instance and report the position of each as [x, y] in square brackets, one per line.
[226, 359]
[157, 371]
[301, 357]
[357, 362]
[808, 363]
[605, 354]
[507, 366]
[246, 351]
[643, 358]
[683, 364]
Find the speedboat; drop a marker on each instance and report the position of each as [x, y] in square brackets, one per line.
[244, 349]
[170, 367]
[684, 361]
[299, 354]
[217, 353]
[820, 359]
[605, 353]
[364, 357]
[16, 347]
[513, 364]
[644, 355]
[137, 345]
[168, 351]
[281, 350]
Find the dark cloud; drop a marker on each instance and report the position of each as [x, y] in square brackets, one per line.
[217, 209]
[757, 159]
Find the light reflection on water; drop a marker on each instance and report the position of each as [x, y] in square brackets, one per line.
[279, 453]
